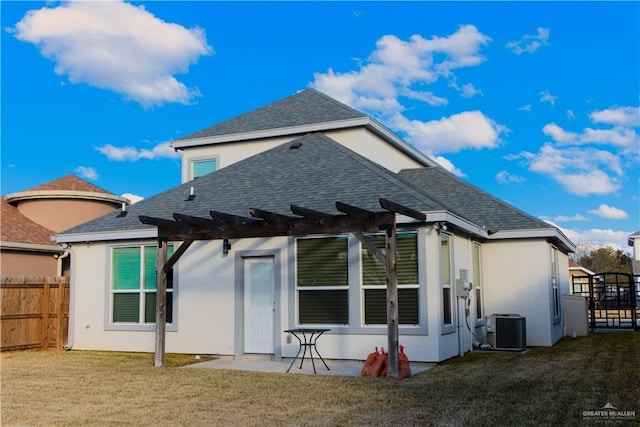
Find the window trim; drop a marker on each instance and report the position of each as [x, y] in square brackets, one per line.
[447, 328]
[297, 289]
[478, 284]
[364, 288]
[355, 300]
[196, 159]
[556, 303]
[108, 323]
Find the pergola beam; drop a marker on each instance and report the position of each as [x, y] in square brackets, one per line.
[269, 216]
[402, 210]
[308, 213]
[231, 219]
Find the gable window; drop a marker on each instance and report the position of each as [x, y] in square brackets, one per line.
[374, 281]
[203, 167]
[133, 285]
[477, 281]
[322, 281]
[445, 279]
[555, 291]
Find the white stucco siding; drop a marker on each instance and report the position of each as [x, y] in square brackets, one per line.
[204, 302]
[373, 147]
[517, 280]
[359, 140]
[208, 309]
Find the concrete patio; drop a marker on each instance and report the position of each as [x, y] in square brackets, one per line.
[349, 368]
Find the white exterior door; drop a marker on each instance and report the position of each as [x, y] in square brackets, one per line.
[259, 305]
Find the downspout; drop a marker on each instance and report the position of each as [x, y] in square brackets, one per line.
[66, 252]
[60, 257]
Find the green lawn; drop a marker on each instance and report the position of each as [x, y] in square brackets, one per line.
[544, 386]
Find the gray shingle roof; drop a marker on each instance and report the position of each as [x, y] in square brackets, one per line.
[303, 108]
[315, 176]
[471, 202]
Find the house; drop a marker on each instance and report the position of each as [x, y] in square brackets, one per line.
[309, 154]
[634, 242]
[579, 278]
[32, 217]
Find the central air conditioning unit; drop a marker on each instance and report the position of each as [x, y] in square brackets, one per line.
[509, 332]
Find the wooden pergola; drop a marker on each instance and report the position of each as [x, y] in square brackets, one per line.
[222, 226]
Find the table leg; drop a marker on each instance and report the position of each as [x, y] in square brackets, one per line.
[318, 353]
[297, 354]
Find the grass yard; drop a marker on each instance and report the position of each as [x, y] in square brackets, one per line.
[545, 386]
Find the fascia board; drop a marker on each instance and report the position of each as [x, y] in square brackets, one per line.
[457, 221]
[270, 133]
[65, 194]
[400, 143]
[150, 233]
[585, 270]
[32, 247]
[535, 233]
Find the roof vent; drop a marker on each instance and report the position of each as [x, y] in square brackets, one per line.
[295, 145]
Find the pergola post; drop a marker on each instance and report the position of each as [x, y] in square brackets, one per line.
[161, 302]
[392, 300]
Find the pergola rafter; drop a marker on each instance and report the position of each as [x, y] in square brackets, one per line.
[262, 223]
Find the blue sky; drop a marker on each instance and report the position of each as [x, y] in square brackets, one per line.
[536, 103]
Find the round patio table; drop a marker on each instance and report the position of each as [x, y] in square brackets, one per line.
[307, 337]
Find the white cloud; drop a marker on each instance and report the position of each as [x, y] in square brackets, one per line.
[423, 96]
[116, 46]
[560, 135]
[609, 212]
[588, 182]
[598, 237]
[566, 218]
[446, 163]
[133, 198]
[132, 154]
[396, 65]
[545, 96]
[617, 136]
[505, 177]
[469, 129]
[581, 171]
[399, 69]
[530, 42]
[525, 108]
[619, 116]
[87, 172]
[467, 90]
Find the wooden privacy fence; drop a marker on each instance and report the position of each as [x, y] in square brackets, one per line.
[35, 312]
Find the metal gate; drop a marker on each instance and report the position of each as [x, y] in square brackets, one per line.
[614, 299]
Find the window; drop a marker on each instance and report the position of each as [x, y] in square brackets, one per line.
[554, 283]
[374, 281]
[133, 285]
[203, 167]
[323, 281]
[445, 279]
[477, 281]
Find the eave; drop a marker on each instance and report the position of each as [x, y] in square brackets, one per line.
[537, 233]
[146, 233]
[65, 194]
[29, 247]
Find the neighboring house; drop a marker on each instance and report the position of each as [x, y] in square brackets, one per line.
[237, 296]
[634, 241]
[576, 270]
[31, 218]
